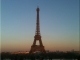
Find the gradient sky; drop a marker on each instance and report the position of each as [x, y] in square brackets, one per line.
[59, 24]
[0, 25]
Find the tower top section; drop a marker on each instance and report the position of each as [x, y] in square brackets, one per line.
[37, 9]
[37, 22]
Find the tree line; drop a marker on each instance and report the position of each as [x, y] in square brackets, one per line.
[41, 56]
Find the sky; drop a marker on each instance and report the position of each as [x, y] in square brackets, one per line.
[59, 24]
[0, 25]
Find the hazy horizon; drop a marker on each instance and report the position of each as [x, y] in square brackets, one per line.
[59, 24]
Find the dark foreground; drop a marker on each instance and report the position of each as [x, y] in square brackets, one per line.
[40, 56]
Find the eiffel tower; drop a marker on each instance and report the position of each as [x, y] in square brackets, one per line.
[37, 37]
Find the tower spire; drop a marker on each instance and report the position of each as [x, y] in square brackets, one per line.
[37, 22]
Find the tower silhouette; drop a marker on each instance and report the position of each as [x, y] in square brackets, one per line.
[37, 37]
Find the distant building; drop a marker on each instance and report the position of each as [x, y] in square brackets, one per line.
[19, 52]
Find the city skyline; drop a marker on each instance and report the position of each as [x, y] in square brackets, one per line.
[59, 24]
